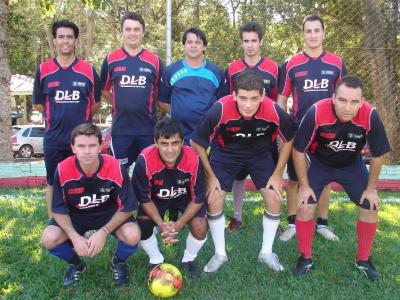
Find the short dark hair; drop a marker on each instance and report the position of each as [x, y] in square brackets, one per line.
[167, 127]
[351, 81]
[200, 34]
[252, 27]
[314, 17]
[249, 81]
[130, 15]
[87, 129]
[64, 23]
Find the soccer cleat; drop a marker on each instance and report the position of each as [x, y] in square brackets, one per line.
[120, 272]
[272, 261]
[304, 265]
[73, 274]
[368, 269]
[215, 263]
[288, 233]
[327, 233]
[234, 224]
[191, 268]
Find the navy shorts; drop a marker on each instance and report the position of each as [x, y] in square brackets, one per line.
[52, 157]
[127, 148]
[275, 156]
[81, 229]
[353, 178]
[260, 169]
[163, 206]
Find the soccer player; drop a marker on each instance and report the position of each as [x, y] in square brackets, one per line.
[92, 191]
[242, 128]
[170, 174]
[190, 86]
[130, 78]
[66, 90]
[332, 134]
[310, 75]
[251, 36]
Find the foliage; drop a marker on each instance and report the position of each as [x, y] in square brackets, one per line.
[27, 271]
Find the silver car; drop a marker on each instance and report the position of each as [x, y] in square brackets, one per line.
[27, 140]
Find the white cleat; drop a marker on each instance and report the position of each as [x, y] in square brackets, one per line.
[327, 233]
[215, 263]
[288, 233]
[272, 261]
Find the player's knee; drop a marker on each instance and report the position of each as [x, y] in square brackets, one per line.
[50, 238]
[367, 215]
[130, 233]
[146, 228]
[306, 213]
[198, 228]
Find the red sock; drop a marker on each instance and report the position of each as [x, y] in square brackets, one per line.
[365, 236]
[305, 235]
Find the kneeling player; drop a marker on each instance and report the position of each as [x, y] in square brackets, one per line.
[333, 132]
[91, 192]
[169, 174]
[242, 128]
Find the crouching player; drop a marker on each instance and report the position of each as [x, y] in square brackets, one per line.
[91, 192]
[332, 133]
[169, 174]
[242, 128]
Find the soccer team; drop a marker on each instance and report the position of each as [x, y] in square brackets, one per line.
[237, 125]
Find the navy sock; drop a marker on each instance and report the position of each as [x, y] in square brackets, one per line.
[64, 251]
[124, 251]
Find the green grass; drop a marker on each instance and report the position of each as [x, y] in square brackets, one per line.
[27, 271]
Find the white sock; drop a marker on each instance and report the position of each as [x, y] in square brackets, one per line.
[217, 229]
[150, 246]
[270, 225]
[238, 189]
[193, 247]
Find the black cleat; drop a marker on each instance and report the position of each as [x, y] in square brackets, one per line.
[191, 268]
[368, 269]
[304, 265]
[120, 272]
[73, 273]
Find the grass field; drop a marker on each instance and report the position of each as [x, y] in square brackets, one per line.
[27, 271]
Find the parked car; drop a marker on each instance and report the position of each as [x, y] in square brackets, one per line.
[105, 144]
[27, 140]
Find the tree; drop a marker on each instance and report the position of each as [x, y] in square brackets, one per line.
[5, 75]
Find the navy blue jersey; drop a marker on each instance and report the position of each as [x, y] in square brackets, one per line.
[339, 143]
[67, 95]
[309, 79]
[191, 91]
[91, 199]
[134, 82]
[267, 68]
[231, 134]
[153, 180]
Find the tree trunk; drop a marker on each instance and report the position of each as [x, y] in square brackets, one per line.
[89, 35]
[196, 13]
[382, 86]
[5, 76]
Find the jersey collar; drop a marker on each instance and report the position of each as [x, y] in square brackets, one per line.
[137, 54]
[314, 58]
[64, 68]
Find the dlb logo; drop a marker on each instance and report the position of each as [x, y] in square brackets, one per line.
[89, 202]
[314, 85]
[342, 146]
[248, 135]
[132, 81]
[171, 193]
[67, 95]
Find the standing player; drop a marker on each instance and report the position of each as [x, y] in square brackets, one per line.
[251, 36]
[332, 133]
[170, 174]
[309, 76]
[91, 192]
[242, 128]
[192, 85]
[66, 90]
[132, 74]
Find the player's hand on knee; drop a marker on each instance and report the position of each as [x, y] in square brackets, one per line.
[96, 243]
[81, 245]
[275, 184]
[372, 197]
[213, 190]
[303, 194]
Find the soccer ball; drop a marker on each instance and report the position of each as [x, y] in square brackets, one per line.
[165, 280]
